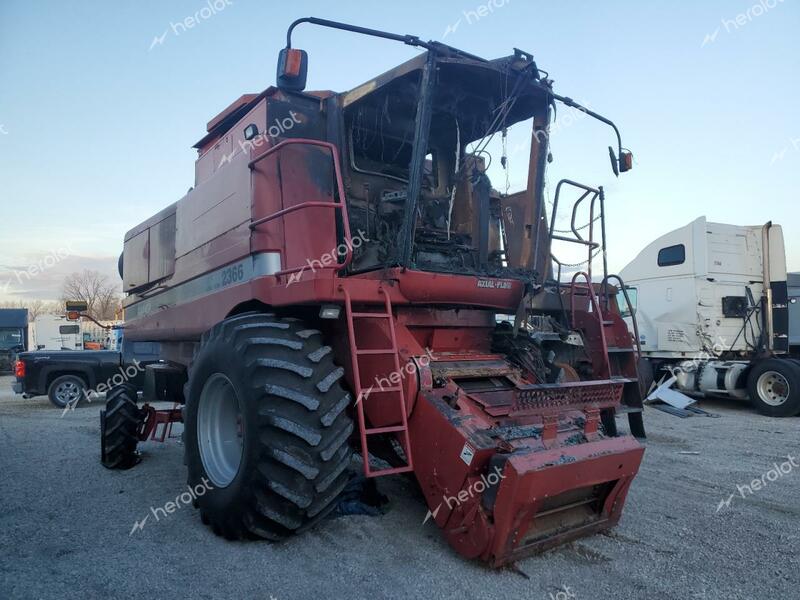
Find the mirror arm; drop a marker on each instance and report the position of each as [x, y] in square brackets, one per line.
[572, 104]
[411, 40]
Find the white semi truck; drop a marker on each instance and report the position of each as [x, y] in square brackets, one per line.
[712, 306]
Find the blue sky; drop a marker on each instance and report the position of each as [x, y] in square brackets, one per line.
[97, 121]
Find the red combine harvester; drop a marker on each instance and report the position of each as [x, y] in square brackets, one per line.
[336, 280]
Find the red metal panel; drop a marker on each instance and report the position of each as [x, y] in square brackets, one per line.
[442, 288]
[303, 192]
[530, 479]
[559, 477]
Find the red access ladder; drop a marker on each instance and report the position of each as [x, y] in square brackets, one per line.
[395, 393]
[596, 313]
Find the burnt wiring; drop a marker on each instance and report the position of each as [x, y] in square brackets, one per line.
[368, 129]
[504, 159]
[522, 350]
[487, 153]
[455, 178]
[502, 111]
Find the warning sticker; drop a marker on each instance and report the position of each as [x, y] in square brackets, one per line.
[467, 454]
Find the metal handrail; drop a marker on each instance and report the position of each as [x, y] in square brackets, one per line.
[588, 190]
[341, 204]
[579, 239]
[591, 294]
[630, 308]
[595, 307]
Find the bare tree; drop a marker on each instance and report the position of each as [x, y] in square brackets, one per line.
[42, 307]
[101, 296]
[35, 307]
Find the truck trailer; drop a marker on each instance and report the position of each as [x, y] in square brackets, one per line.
[713, 307]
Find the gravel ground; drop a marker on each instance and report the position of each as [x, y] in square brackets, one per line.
[65, 526]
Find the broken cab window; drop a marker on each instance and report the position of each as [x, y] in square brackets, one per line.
[380, 154]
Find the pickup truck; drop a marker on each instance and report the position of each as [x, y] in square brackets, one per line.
[67, 376]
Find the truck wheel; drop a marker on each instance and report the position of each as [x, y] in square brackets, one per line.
[266, 427]
[66, 390]
[119, 426]
[774, 387]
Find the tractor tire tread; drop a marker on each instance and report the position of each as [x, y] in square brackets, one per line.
[301, 451]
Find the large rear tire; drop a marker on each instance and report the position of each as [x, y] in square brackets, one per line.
[774, 387]
[119, 427]
[266, 427]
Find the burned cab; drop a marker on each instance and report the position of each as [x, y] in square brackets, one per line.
[415, 144]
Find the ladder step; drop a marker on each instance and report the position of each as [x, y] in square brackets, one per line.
[606, 323]
[623, 379]
[624, 410]
[391, 471]
[618, 349]
[390, 429]
[357, 355]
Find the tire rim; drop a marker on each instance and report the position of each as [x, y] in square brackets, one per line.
[773, 388]
[219, 430]
[67, 392]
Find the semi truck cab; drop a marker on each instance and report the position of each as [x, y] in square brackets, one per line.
[713, 307]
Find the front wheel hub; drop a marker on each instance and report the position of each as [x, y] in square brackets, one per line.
[219, 430]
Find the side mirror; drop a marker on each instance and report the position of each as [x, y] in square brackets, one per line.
[613, 158]
[76, 306]
[625, 162]
[292, 69]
